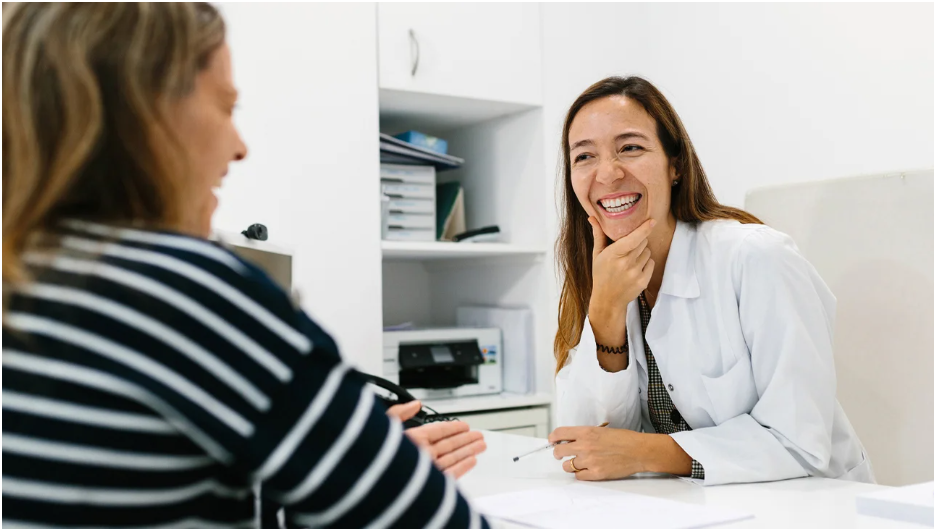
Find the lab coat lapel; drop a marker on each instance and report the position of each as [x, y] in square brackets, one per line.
[667, 332]
[635, 336]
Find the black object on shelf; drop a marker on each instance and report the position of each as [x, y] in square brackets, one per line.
[475, 233]
[256, 232]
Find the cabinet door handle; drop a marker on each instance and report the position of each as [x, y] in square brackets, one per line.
[414, 51]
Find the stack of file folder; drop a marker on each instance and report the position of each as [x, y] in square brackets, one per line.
[411, 191]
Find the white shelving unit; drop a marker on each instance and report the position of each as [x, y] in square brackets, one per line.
[454, 250]
[498, 130]
[434, 48]
[439, 111]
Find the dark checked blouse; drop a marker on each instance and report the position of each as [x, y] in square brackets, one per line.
[663, 414]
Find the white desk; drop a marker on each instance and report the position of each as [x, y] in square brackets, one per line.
[799, 503]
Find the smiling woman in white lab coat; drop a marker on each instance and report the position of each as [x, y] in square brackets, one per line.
[701, 336]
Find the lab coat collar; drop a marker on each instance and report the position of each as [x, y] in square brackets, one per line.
[679, 277]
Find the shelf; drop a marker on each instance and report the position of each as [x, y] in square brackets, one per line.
[453, 250]
[484, 403]
[438, 113]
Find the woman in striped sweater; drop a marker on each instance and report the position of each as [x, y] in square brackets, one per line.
[151, 378]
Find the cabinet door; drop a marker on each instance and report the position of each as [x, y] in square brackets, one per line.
[479, 50]
[522, 431]
[524, 421]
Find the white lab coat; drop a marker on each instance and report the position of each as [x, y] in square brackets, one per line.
[742, 335]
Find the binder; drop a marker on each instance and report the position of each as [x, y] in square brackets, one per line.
[450, 210]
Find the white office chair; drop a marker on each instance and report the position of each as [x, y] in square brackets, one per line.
[871, 239]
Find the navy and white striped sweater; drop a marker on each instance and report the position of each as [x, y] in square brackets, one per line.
[151, 379]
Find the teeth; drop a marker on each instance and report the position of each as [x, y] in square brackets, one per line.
[620, 204]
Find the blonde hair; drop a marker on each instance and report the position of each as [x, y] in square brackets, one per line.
[85, 94]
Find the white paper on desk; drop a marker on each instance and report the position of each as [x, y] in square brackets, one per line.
[583, 506]
[912, 503]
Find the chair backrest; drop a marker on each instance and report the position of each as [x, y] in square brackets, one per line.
[871, 240]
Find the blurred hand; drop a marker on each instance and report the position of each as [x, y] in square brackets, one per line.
[450, 444]
[404, 411]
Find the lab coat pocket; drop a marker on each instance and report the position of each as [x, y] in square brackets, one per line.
[861, 472]
[732, 393]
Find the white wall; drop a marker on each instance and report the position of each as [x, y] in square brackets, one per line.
[406, 296]
[770, 93]
[307, 74]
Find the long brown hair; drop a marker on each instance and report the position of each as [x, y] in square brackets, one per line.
[85, 90]
[691, 201]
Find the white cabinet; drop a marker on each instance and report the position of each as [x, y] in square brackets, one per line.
[525, 422]
[527, 415]
[477, 84]
[477, 50]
